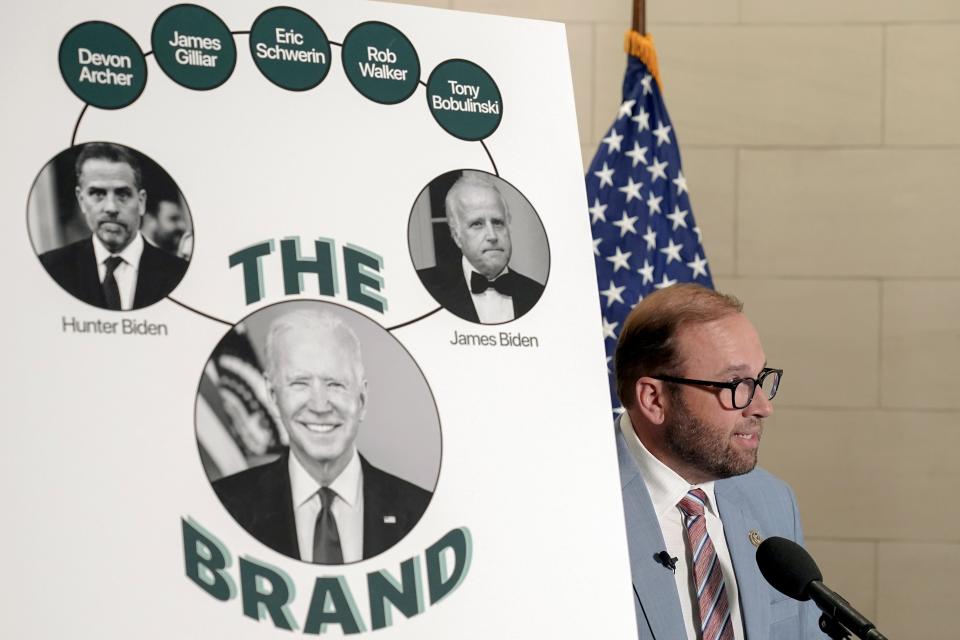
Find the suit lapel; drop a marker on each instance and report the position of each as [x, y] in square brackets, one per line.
[380, 523]
[275, 522]
[460, 301]
[737, 524]
[88, 275]
[653, 584]
[144, 294]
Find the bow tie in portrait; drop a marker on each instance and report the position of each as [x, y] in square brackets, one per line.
[505, 284]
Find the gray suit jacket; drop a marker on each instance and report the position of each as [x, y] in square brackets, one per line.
[754, 501]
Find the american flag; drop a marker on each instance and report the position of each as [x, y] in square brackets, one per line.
[644, 234]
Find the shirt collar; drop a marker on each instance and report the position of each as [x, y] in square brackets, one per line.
[468, 269]
[346, 485]
[665, 485]
[130, 253]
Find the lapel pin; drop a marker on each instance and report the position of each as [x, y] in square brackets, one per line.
[755, 537]
[389, 519]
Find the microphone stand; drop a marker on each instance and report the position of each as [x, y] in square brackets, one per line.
[832, 628]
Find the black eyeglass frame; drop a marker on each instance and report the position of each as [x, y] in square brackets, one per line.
[732, 385]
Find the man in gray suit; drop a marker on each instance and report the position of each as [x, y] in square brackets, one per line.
[693, 379]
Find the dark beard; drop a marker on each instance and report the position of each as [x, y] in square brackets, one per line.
[702, 448]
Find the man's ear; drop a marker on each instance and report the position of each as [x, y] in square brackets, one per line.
[650, 399]
[455, 234]
[270, 389]
[363, 399]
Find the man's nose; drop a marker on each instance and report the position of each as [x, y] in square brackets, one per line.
[490, 234]
[110, 204]
[319, 400]
[761, 406]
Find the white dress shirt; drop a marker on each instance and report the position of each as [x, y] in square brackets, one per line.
[666, 489]
[492, 306]
[347, 507]
[126, 272]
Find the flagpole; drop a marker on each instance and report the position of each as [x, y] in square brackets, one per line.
[640, 16]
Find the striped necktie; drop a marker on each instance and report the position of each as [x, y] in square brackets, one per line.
[715, 623]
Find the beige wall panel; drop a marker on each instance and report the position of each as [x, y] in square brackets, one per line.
[921, 344]
[918, 591]
[609, 64]
[850, 569]
[872, 11]
[817, 331]
[691, 12]
[580, 43]
[773, 85]
[848, 213]
[923, 85]
[618, 11]
[711, 176]
[868, 474]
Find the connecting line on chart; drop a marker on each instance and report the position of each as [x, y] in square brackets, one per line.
[497, 173]
[408, 322]
[76, 127]
[205, 315]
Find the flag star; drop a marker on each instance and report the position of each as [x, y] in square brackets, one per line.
[678, 217]
[626, 108]
[598, 211]
[596, 246]
[638, 154]
[672, 251]
[605, 175]
[609, 328]
[619, 410]
[653, 203]
[626, 224]
[699, 266]
[666, 282]
[646, 83]
[632, 189]
[658, 170]
[613, 141]
[609, 360]
[696, 230]
[612, 294]
[646, 271]
[651, 237]
[663, 134]
[639, 300]
[681, 183]
[620, 260]
[642, 119]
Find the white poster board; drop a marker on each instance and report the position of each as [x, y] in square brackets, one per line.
[298, 158]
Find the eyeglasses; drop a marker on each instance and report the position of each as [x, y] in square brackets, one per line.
[741, 389]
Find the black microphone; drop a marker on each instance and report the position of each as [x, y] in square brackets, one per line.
[664, 558]
[790, 570]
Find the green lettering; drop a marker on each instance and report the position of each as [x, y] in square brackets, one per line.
[205, 559]
[294, 266]
[442, 581]
[406, 597]
[251, 259]
[364, 282]
[266, 591]
[332, 603]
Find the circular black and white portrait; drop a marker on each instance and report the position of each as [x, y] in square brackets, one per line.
[478, 246]
[318, 432]
[110, 226]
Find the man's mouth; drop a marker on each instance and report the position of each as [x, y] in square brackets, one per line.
[748, 438]
[320, 427]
